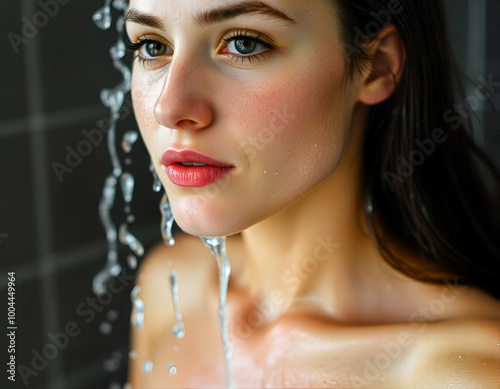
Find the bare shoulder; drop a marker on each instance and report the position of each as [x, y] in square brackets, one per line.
[190, 260]
[459, 354]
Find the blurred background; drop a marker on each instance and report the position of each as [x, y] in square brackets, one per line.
[50, 232]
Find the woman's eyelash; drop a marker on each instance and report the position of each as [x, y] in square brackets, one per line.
[232, 36]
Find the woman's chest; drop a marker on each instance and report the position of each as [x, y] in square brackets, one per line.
[289, 354]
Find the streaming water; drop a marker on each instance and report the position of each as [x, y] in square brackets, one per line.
[112, 267]
[137, 316]
[167, 221]
[156, 182]
[178, 329]
[131, 241]
[217, 247]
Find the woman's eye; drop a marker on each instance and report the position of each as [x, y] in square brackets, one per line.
[152, 49]
[246, 46]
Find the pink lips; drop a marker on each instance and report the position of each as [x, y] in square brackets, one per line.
[190, 169]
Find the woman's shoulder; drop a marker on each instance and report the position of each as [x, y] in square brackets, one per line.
[459, 354]
[193, 265]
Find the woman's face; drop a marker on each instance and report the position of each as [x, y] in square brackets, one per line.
[253, 90]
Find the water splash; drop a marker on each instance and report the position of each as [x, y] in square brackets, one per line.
[129, 140]
[156, 179]
[217, 247]
[178, 329]
[137, 316]
[131, 241]
[167, 221]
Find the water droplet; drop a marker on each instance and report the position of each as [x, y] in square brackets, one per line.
[115, 385]
[111, 366]
[178, 329]
[120, 5]
[133, 354]
[170, 364]
[156, 179]
[128, 185]
[131, 241]
[113, 315]
[176, 348]
[106, 328]
[172, 370]
[132, 261]
[117, 356]
[137, 318]
[128, 161]
[169, 263]
[459, 357]
[130, 219]
[128, 386]
[167, 221]
[147, 367]
[265, 171]
[102, 17]
[129, 140]
[217, 247]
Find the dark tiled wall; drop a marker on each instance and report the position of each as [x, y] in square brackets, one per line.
[48, 96]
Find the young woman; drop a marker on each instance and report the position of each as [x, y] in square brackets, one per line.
[323, 138]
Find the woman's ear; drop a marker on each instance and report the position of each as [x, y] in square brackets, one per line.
[387, 62]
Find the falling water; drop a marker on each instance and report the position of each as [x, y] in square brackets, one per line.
[167, 221]
[137, 318]
[178, 329]
[131, 241]
[112, 267]
[113, 98]
[217, 247]
[129, 140]
[156, 182]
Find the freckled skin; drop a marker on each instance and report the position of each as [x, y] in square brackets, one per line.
[292, 127]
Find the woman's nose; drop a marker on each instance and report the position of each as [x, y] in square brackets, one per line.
[184, 100]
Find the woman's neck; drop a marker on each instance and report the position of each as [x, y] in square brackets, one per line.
[317, 249]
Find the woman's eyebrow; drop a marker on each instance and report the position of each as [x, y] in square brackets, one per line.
[242, 8]
[213, 16]
[147, 20]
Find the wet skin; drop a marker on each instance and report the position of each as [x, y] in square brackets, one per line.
[290, 127]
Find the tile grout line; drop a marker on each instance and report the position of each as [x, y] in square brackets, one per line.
[53, 120]
[38, 148]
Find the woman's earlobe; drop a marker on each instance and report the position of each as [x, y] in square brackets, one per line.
[387, 63]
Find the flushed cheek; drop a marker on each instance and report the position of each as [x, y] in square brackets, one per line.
[144, 96]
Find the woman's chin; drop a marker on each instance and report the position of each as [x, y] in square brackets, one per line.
[209, 227]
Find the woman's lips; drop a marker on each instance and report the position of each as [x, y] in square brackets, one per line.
[190, 169]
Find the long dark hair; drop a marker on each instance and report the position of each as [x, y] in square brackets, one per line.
[425, 180]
